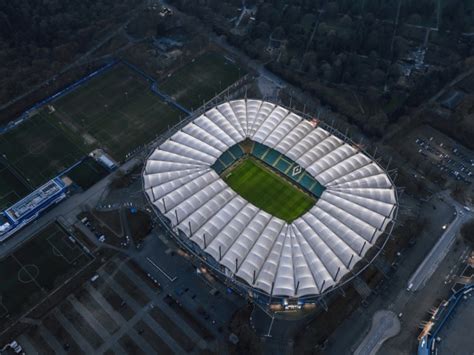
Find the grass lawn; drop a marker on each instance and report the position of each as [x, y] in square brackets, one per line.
[87, 173]
[39, 150]
[36, 268]
[267, 190]
[116, 111]
[11, 188]
[201, 79]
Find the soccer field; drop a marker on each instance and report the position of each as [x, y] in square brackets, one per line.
[201, 79]
[11, 188]
[116, 111]
[39, 150]
[267, 190]
[38, 267]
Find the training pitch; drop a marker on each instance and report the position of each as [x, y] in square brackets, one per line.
[200, 80]
[11, 188]
[116, 111]
[38, 150]
[36, 268]
[267, 190]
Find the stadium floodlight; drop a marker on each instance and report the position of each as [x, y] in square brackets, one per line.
[299, 257]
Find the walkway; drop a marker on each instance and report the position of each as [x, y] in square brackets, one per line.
[385, 325]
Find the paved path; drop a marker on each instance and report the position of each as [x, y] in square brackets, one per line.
[140, 314]
[71, 329]
[67, 209]
[26, 345]
[97, 296]
[158, 301]
[441, 248]
[385, 325]
[51, 340]
[89, 317]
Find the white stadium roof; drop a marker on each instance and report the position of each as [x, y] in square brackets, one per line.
[296, 259]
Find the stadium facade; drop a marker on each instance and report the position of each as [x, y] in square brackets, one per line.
[260, 255]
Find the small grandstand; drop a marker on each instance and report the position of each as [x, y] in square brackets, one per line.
[260, 253]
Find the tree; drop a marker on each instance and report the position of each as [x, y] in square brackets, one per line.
[346, 21]
[332, 9]
[467, 232]
[326, 70]
[308, 22]
[261, 30]
[279, 33]
[376, 124]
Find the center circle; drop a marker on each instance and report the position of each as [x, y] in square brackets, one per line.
[28, 273]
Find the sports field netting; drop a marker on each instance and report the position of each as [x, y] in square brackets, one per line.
[201, 79]
[268, 190]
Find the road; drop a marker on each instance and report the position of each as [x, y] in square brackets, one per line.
[385, 325]
[68, 209]
[441, 248]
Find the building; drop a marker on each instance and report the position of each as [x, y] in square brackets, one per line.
[30, 207]
[261, 255]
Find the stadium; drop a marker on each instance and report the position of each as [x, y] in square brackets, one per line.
[280, 206]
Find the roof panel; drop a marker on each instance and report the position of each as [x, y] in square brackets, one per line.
[305, 257]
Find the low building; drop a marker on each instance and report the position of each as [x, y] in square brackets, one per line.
[30, 207]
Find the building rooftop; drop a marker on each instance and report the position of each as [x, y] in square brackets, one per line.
[301, 258]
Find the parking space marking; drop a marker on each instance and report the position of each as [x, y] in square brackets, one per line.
[171, 279]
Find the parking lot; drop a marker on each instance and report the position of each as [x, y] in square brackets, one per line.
[166, 307]
[450, 160]
[437, 154]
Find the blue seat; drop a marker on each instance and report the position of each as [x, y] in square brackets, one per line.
[259, 150]
[282, 165]
[271, 156]
[218, 167]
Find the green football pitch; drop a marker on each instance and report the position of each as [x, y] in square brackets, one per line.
[38, 150]
[201, 79]
[267, 190]
[11, 188]
[36, 268]
[116, 111]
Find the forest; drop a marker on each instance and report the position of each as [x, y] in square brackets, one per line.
[38, 38]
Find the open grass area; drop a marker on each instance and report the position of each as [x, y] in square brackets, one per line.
[39, 150]
[201, 79]
[116, 111]
[11, 188]
[267, 190]
[87, 173]
[36, 268]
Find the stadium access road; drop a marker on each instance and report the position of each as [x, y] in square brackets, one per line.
[393, 295]
[385, 324]
[441, 248]
[67, 209]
